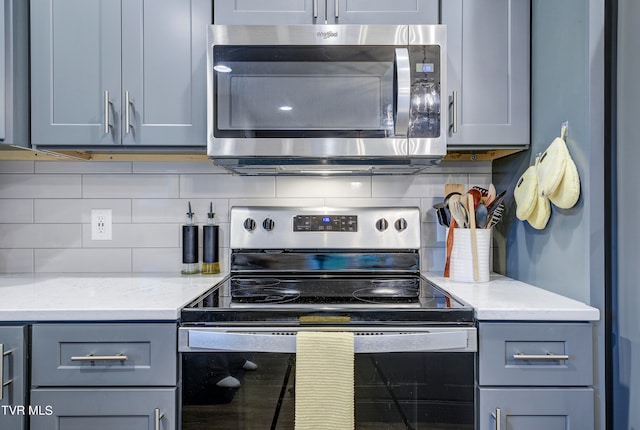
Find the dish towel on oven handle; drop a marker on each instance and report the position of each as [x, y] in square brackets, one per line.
[324, 391]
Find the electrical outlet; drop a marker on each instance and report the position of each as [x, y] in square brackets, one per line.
[101, 227]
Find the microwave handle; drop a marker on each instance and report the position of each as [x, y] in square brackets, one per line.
[403, 97]
[203, 340]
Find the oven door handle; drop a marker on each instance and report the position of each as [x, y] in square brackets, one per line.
[203, 340]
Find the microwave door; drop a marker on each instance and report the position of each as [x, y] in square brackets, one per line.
[403, 94]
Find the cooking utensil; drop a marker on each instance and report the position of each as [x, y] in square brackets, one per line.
[494, 209]
[447, 261]
[474, 239]
[491, 194]
[458, 212]
[482, 216]
[453, 188]
[442, 214]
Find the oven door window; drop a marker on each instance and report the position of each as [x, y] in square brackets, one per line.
[431, 391]
[280, 91]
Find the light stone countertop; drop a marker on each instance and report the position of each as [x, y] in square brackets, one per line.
[506, 299]
[160, 296]
[99, 297]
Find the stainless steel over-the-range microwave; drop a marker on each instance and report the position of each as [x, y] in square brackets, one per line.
[326, 98]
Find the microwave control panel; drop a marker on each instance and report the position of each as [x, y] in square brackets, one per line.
[325, 223]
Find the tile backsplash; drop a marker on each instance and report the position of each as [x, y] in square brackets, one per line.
[45, 209]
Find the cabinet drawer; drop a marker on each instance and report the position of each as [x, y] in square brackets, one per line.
[106, 408]
[537, 354]
[104, 354]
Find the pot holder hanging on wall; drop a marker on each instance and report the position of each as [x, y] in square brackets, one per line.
[530, 205]
[558, 177]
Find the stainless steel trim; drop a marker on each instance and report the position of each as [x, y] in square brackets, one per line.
[127, 112]
[497, 417]
[107, 120]
[119, 357]
[315, 9]
[541, 357]
[403, 96]
[453, 105]
[366, 340]
[157, 415]
[1, 370]
[343, 34]
[336, 6]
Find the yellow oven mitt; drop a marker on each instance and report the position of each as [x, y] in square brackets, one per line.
[526, 193]
[558, 177]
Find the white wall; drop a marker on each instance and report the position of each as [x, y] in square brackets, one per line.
[45, 209]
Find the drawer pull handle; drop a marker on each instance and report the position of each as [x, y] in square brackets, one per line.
[496, 416]
[90, 357]
[541, 357]
[158, 418]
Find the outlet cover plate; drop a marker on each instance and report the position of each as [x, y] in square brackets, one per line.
[101, 224]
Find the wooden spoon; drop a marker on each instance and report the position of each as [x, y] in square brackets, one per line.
[474, 240]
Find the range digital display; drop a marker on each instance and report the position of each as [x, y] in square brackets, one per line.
[346, 223]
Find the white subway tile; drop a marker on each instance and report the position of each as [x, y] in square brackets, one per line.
[428, 212]
[178, 167]
[82, 167]
[409, 186]
[292, 202]
[16, 167]
[459, 167]
[135, 236]
[432, 234]
[79, 210]
[174, 210]
[226, 186]
[40, 235]
[432, 259]
[82, 260]
[16, 211]
[130, 186]
[372, 202]
[40, 186]
[330, 186]
[16, 260]
[157, 260]
[481, 180]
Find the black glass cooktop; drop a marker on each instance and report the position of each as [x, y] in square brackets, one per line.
[341, 300]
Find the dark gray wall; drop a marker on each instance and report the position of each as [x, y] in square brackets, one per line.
[567, 74]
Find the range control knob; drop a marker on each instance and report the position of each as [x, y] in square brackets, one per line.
[382, 224]
[268, 224]
[249, 224]
[401, 224]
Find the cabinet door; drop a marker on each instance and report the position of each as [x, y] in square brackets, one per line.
[383, 11]
[535, 409]
[131, 409]
[12, 377]
[164, 72]
[272, 12]
[488, 69]
[75, 72]
[3, 81]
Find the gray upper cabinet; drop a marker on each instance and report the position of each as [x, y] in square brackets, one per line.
[119, 72]
[13, 376]
[277, 12]
[488, 72]
[14, 81]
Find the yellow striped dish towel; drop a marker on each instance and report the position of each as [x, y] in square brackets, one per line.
[324, 381]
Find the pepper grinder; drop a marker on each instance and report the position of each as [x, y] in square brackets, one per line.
[190, 261]
[210, 251]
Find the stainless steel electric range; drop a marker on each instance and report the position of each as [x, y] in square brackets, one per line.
[327, 269]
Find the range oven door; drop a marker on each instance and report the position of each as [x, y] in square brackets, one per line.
[418, 378]
[344, 91]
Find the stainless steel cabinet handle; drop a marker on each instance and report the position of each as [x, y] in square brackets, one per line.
[540, 357]
[158, 417]
[403, 98]
[453, 105]
[3, 383]
[128, 103]
[107, 116]
[315, 9]
[496, 415]
[119, 357]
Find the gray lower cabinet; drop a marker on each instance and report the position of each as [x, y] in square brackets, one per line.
[535, 376]
[131, 409]
[256, 12]
[104, 375]
[488, 73]
[119, 72]
[13, 376]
